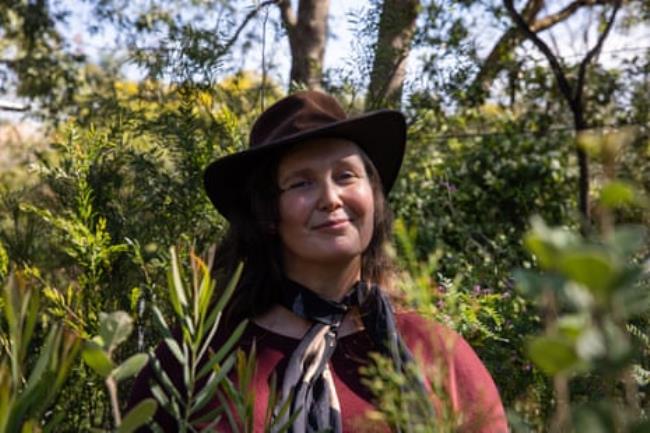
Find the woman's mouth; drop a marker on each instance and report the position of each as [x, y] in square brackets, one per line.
[332, 224]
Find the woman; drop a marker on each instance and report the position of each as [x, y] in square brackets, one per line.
[308, 216]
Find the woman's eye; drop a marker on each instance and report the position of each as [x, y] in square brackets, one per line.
[298, 184]
[347, 175]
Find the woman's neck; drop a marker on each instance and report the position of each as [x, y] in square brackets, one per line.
[329, 282]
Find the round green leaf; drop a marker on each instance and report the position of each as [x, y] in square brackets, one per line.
[130, 367]
[138, 416]
[617, 194]
[114, 328]
[97, 359]
[553, 355]
[592, 269]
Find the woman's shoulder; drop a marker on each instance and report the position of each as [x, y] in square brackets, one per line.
[433, 341]
[470, 386]
[426, 335]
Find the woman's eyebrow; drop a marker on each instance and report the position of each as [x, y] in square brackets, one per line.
[305, 171]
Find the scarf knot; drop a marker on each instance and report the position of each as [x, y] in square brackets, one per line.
[308, 382]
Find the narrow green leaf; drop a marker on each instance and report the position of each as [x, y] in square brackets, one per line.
[224, 349]
[175, 349]
[159, 320]
[213, 415]
[207, 393]
[163, 378]
[44, 360]
[227, 294]
[178, 287]
[159, 395]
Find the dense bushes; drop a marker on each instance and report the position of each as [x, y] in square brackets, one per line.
[113, 193]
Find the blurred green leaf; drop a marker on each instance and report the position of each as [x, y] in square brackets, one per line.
[594, 419]
[591, 268]
[640, 427]
[632, 298]
[626, 240]
[616, 194]
[553, 355]
[571, 326]
[531, 284]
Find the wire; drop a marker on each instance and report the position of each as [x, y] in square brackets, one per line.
[532, 133]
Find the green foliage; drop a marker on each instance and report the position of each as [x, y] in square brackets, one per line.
[591, 288]
[97, 353]
[27, 394]
[472, 196]
[474, 313]
[206, 374]
[198, 320]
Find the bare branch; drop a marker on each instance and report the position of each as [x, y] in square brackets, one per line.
[492, 64]
[10, 106]
[552, 19]
[562, 81]
[582, 71]
[241, 27]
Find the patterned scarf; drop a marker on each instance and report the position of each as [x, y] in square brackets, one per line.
[308, 382]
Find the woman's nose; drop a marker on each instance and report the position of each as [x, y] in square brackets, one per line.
[330, 198]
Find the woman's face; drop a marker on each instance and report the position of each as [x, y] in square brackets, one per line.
[326, 204]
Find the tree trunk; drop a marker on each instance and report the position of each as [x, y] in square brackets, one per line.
[396, 29]
[307, 37]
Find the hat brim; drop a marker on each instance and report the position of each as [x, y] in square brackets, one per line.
[381, 134]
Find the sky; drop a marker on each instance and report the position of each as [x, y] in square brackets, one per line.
[342, 48]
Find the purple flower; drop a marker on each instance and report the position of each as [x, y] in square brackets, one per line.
[450, 187]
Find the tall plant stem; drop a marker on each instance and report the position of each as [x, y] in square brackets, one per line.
[111, 385]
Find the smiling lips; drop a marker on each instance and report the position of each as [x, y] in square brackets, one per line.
[332, 224]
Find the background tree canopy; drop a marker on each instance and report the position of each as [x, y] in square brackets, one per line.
[516, 109]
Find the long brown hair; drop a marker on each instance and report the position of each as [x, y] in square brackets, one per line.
[251, 238]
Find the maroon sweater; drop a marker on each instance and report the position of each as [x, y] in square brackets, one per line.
[441, 353]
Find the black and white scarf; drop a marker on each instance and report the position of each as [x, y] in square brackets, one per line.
[308, 382]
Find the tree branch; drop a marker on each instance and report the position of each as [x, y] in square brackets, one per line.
[552, 19]
[492, 64]
[582, 71]
[562, 81]
[241, 27]
[9, 106]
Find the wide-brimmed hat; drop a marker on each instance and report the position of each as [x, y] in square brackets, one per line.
[300, 117]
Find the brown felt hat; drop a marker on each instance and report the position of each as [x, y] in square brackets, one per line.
[297, 118]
